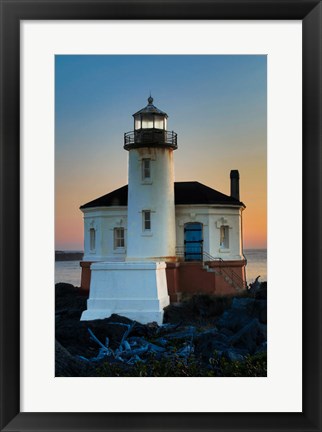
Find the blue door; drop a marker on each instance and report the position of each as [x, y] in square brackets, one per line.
[193, 241]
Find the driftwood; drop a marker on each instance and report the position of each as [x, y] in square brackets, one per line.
[130, 350]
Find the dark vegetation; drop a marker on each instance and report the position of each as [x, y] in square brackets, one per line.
[202, 337]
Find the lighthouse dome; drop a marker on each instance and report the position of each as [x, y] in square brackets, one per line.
[150, 109]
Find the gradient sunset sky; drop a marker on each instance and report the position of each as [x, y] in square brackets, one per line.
[216, 104]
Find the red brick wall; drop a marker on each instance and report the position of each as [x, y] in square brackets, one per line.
[86, 275]
[187, 278]
[190, 278]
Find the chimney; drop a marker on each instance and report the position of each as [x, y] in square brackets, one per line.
[234, 184]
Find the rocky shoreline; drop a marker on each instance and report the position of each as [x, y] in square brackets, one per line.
[203, 336]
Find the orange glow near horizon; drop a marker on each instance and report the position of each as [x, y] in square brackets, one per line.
[69, 218]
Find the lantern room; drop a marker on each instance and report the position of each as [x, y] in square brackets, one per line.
[150, 117]
[150, 129]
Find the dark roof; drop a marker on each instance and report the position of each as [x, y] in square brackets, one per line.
[197, 193]
[116, 198]
[184, 193]
[150, 109]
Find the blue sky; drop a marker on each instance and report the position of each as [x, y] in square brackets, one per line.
[216, 104]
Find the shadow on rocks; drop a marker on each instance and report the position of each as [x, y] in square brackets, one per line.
[199, 309]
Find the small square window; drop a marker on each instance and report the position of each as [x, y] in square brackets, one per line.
[146, 169]
[224, 236]
[119, 241]
[147, 220]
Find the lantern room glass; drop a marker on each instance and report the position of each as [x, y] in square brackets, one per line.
[137, 123]
[158, 122]
[149, 121]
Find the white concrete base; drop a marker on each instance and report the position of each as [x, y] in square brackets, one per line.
[136, 290]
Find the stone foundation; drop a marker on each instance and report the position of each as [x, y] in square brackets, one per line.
[188, 278]
[136, 290]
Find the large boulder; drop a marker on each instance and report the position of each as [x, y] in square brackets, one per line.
[200, 308]
[258, 290]
[207, 342]
[243, 310]
[69, 298]
[209, 306]
[249, 337]
[67, 365]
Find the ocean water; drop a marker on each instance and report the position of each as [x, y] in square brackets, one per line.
[256, 264]
[70, 271]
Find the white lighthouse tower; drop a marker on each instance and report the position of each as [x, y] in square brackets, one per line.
[151, 212]
[137, 288]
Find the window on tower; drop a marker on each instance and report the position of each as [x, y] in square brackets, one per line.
[224, 236]
[92, 239]
[146, 220]
[119, 241]
[146, 169]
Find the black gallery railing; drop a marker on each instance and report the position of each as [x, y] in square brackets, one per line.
[150, 136]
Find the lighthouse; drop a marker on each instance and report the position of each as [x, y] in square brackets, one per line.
[155, 240]
[137, 288]
[151, 212]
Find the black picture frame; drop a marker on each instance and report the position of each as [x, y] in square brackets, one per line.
[12, 12]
